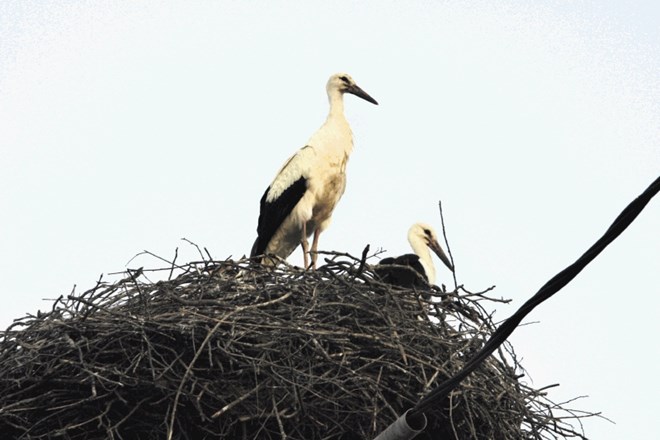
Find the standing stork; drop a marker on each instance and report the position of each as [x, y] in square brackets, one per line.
[421, 237]
[300, 200]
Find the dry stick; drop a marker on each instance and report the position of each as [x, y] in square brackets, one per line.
[232, 404]
[194, 244]
[363, 261]
[277, 417]
[444, 234]
[208, 254]
[128, 416]
[170, 428]
[171, 263]
[176, 255]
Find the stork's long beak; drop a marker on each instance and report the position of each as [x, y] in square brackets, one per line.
[435, 247]
[357, 91]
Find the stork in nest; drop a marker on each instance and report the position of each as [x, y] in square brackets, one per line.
[414, 270]
[300, 200]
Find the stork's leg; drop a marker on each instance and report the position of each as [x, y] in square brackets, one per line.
[315, 246]
[305, 245]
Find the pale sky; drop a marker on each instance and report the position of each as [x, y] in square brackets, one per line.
[126, 126]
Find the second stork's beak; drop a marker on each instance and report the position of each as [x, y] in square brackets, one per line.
[435, 247]
[357, 91]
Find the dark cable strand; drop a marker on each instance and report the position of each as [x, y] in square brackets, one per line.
[555, 284]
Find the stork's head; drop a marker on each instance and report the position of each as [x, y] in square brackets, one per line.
[343, 83]
[423, 233]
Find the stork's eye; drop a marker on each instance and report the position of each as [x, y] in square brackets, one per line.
[343, 78]
[427, 232]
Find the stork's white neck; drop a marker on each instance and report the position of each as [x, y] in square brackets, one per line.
[336, 99]
[335, 134]
[422, 251]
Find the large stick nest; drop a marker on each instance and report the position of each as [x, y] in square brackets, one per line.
[231, 350]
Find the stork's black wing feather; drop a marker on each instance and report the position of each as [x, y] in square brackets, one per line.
[272, 214]
[413, 275]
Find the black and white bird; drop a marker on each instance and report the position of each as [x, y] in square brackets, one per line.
[419, 269]
[300, 200]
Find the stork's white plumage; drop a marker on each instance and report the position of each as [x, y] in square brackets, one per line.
[421, 237]
[300, 200]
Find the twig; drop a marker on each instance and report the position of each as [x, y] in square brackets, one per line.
[444, 234]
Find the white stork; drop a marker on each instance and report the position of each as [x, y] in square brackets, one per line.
[305, 191]
[421, 237]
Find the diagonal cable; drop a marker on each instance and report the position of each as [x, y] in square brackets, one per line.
[550, 288]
